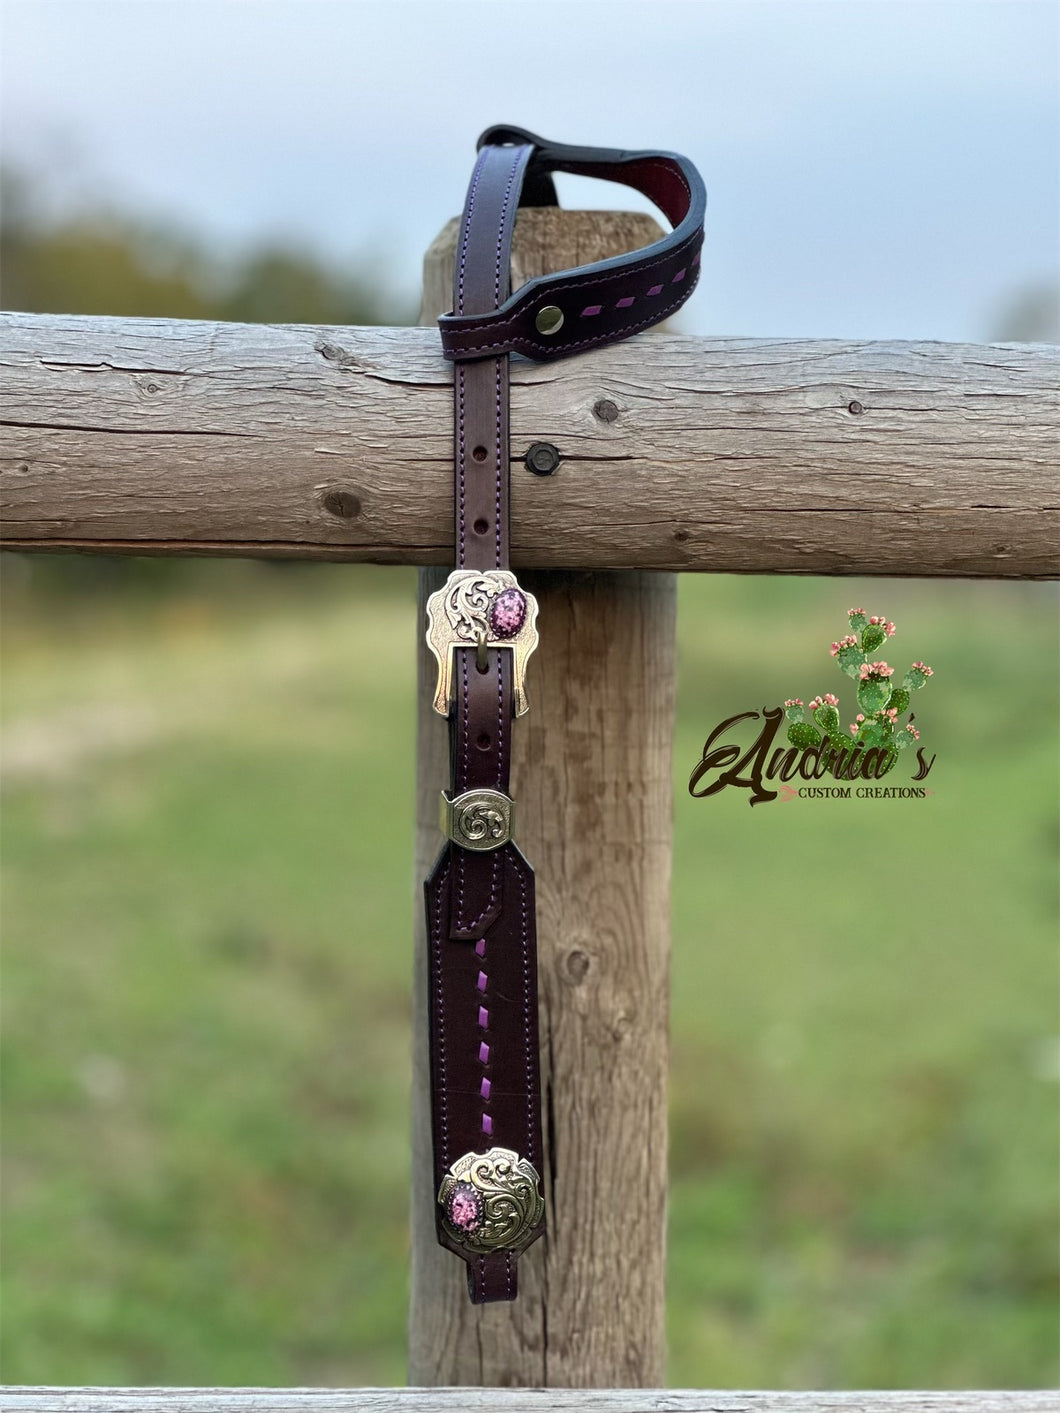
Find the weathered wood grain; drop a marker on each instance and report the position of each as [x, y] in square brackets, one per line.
[513, 1400]
[787, 456]
[591, 772]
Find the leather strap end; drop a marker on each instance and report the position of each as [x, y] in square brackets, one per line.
[494, 1277]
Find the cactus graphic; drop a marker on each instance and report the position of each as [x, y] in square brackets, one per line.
[898, 700]
[827, 718]
[881, 704]
[803, 735]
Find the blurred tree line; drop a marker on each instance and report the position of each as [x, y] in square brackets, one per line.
[105, 261]
[102, 260]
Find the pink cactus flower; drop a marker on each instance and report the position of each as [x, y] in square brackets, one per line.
[913, 731]
[860, 716]
[888, 628]
[793, 701]
[830, 699]
[923, 667]
[817, 701]
[877, 670]
[851, 612]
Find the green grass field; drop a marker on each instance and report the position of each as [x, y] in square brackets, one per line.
[207, 912]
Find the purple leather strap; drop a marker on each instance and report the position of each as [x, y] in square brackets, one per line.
[480, 905]
[485, 1083]
[604, 301]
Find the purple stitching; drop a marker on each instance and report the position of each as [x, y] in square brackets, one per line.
[521, 158]
[465, 240]
[673, 172]
[656, 289]
[500, 722]
[471, 924]
[625, 303]
[466, 234]
[589, 310]
[436, 930]
[462, 923]
[502, 224]
[483, 1018]
[463, 473]
[460, 856]
[486, 320]
[517, 342]
[692, 239]
[530, 1145]
[497, 470]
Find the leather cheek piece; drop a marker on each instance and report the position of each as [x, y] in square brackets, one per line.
[485, 1081]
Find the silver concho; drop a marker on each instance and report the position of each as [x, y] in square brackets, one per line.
[481, 608]
[491, 1201]
[478, 819]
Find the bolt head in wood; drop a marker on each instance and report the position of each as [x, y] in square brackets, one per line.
[542, 458]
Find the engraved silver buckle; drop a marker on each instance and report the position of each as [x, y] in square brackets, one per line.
[481, 608]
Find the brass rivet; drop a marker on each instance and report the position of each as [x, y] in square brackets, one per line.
[549, 320]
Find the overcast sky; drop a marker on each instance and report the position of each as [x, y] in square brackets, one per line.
[873, 169]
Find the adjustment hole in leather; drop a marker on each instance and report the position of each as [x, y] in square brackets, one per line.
[480, 453]
[485, 740]
[481, 526]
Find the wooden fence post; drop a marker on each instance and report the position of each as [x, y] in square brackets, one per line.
[592, 777]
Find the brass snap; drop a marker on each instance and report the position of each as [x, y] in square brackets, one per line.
[549, 320]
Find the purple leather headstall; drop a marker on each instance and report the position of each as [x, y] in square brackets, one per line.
[482, 627]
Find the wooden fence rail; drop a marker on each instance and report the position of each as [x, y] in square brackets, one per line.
[153, 436]
[150, 436]
[476, 1400]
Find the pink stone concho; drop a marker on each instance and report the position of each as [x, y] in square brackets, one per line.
[491, 1201]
